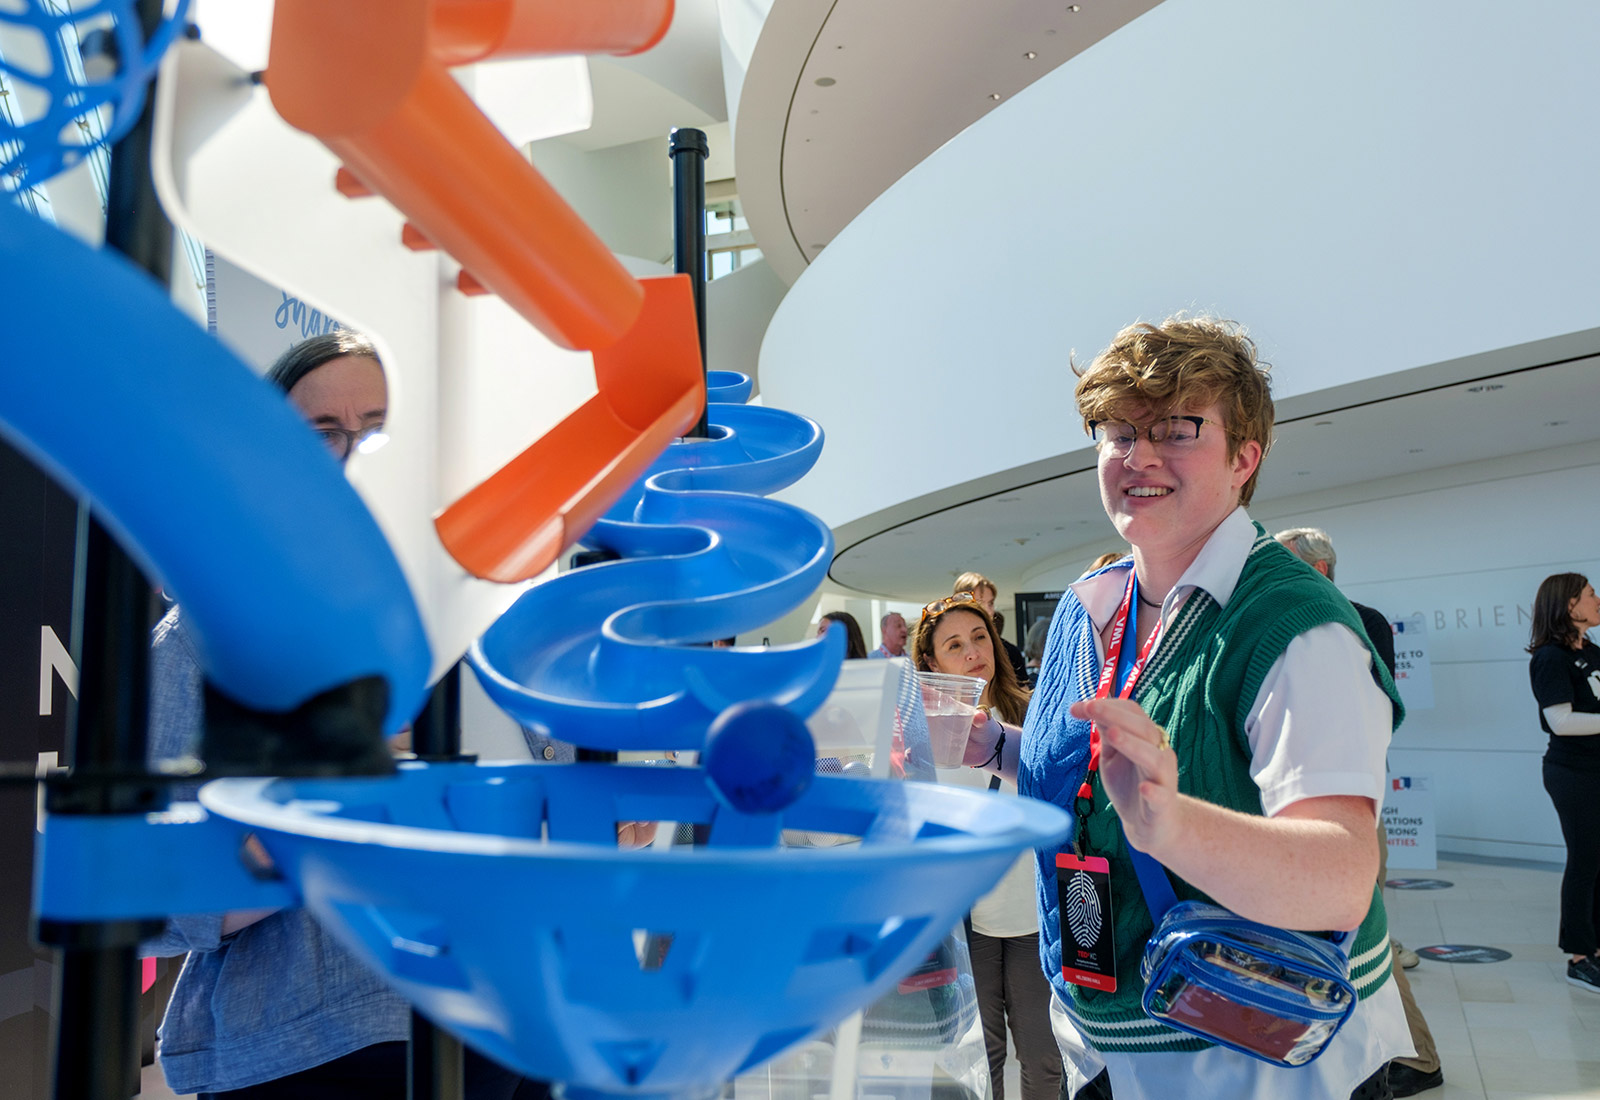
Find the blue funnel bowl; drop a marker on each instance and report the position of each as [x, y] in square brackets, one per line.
[494, 898]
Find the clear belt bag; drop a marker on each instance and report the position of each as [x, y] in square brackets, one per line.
[1273, 994]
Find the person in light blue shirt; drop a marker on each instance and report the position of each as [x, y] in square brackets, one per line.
[893, 628]
[268, 1005]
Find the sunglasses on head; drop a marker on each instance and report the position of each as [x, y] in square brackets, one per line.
[939, 607]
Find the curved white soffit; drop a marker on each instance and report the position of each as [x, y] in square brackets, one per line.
[1369, 186]
[837, 99]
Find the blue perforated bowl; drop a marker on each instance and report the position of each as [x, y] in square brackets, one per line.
[495, 899]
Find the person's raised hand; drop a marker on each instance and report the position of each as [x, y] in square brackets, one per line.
[1138, 769]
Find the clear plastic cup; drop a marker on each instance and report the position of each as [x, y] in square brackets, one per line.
[949, 702]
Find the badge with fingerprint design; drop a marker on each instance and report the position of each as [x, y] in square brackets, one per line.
[1088, 949]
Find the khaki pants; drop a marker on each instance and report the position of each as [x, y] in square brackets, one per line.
[1427, 1059]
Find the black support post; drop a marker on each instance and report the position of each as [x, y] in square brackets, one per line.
[96, 995]
[688, 150]
[435, 1067]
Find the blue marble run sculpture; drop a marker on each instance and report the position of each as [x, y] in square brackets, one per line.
[494, 897]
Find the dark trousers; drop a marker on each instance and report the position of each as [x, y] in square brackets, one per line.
[1375, 1087]
[1576, 795]
[378, 1072]
[1012, 989]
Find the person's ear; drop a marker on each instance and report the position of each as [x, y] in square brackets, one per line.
[1246, 462]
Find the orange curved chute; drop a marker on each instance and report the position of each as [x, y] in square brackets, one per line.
[369, 78]
[657, 364]
[476, 30]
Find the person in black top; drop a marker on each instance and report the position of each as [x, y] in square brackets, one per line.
[1565, 672]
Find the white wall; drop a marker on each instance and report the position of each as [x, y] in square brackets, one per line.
[624, 193]
[1370, 186]
[739, 307]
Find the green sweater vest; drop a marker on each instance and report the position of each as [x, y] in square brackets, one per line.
[1200, 685]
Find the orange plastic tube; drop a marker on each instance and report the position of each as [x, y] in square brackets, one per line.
[359, 75]
[476, 30]
[517, 522]
[368, 78]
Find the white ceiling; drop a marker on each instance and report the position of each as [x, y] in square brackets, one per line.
[844, 98]
[1325, 443]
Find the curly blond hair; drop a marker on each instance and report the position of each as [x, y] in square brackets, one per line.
[1183, 363]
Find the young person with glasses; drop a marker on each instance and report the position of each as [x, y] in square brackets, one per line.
[1212, 700]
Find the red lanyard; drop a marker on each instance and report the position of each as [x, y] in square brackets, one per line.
[1119, 627]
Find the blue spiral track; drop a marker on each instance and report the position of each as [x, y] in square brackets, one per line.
[613, 656]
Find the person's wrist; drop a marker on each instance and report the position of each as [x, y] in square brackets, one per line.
[985, 742]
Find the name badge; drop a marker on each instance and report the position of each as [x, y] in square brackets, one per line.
[1088, 946]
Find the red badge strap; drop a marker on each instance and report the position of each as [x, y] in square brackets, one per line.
[1119, 628]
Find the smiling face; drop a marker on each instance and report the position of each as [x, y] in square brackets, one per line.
[962, 646]
[1166, 501]
[1585, 609]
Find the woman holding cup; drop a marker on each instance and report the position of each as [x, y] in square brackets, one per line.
[956, 637]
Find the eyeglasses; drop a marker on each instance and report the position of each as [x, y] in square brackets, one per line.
[1174, 434]
[939, 607]
[342, 441]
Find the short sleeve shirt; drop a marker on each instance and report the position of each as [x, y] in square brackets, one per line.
[1572, 676]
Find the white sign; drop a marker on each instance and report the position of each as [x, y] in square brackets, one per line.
[1409, 820]
[1413, 675]
[258, 321]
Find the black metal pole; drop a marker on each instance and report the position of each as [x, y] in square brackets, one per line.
[688, 150]
[436, 1061]
[436, 734]
[96, 995]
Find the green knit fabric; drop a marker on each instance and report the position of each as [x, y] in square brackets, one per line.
[1200, 684]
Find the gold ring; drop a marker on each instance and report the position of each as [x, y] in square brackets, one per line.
[1166, 738]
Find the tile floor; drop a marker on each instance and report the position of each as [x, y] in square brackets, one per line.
[1512, 1030]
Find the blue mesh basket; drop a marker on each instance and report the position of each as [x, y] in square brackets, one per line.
[46, 126]
[493, 897]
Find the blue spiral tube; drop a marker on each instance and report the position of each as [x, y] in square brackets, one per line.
[205, 475]
[612, 656]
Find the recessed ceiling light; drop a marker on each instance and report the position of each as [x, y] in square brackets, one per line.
[1487, 387]
[994, 96]
[1073, 8]
[825, 82]
[1030, 55]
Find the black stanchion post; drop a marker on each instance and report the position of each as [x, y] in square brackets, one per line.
[435, 1067]
[96, 996]
[688, 150]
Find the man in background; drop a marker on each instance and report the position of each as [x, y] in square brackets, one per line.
[893, 628]
[1407, 1076]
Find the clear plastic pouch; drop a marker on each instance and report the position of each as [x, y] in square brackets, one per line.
[1276, 995]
